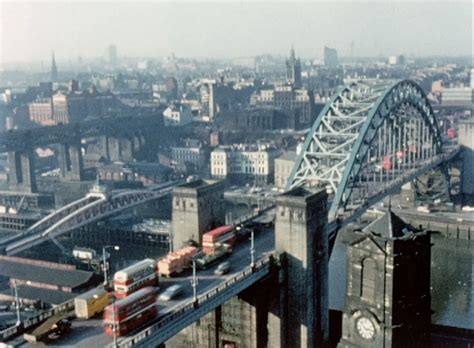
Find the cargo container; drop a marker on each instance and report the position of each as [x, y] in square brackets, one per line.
[91, 303]
[130, 313]
[135, 277]
[177, 261]
[217, 238]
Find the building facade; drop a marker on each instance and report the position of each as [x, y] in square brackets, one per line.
[71, 106]
[177, 115]
[388, 302]
[330, 57]
[244, 164]
[283, 167]
[458, 96]
[191, 158]
[207, 93]
[297, 103]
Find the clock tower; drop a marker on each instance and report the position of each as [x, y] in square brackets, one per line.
[388, 300]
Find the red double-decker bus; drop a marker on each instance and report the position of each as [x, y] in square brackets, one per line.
[135, 277]
[217, 238]
[130, 313]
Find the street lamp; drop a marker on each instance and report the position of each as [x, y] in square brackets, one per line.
[194, 282]
[104, 260]
[17, 304]
[252, 249]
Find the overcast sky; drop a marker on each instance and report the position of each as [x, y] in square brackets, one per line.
[31, 30]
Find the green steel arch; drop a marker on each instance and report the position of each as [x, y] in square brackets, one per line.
[338, 152]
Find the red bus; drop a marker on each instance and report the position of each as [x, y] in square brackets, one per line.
[135, 277]
[131, 312]
[215, 239]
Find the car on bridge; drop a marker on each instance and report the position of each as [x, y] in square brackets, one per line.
[170, 293]
[223, 268]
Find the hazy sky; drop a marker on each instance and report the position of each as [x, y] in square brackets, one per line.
[31, 30]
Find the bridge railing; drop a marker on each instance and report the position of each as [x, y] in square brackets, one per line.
[14, 331]
[201, 300]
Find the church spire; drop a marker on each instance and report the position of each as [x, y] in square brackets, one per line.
[54, 69]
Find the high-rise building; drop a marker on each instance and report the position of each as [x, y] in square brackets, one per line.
[293, 69]
[330, 57]
[54, 70]
[112, 53]
[208, 99]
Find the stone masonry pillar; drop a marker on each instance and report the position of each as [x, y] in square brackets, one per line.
[70, 162]
[22, 171]
[300, 237]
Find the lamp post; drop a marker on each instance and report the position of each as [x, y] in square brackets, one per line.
[194, 282]
[17, 304]
[104, 260]
[252, 249]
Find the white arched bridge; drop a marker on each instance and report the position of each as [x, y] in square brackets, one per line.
[367, 142]
[96, 206]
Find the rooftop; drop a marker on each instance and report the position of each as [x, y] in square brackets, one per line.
[53, 297]
[389, 226]
[39, 274]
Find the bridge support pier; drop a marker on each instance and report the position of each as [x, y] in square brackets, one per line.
[21, 176]
[70, 162]
[301, 314]
[240, 322]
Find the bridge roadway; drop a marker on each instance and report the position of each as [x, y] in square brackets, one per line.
[89, 333]
[15, 140]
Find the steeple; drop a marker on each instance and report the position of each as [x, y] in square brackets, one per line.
[293, 69]
[54, 69]
[292, 53]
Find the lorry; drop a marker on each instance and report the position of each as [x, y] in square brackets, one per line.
[177, 261]
[91, 303]
[57, 324]
[204, 260]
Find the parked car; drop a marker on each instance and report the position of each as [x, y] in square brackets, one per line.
[171, 292]
[223, 268]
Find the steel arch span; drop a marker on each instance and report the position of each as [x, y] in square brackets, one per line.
[368, 138]
[87, 210]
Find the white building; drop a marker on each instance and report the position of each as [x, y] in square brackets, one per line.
[208, 100]
[191, 158]
[244, 164]
[177, 115]
[457, 96]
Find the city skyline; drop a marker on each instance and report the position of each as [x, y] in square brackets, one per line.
[30, 31]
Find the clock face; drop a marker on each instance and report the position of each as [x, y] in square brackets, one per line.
[365, 328]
